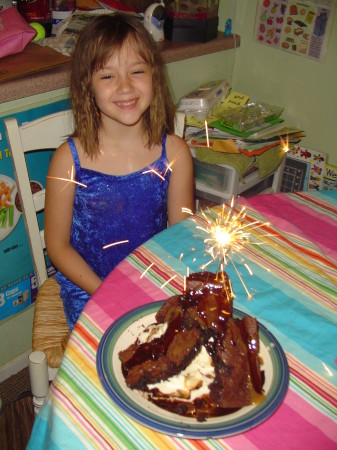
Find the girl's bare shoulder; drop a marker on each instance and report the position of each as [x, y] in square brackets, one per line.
[176, 147]
[62, 158]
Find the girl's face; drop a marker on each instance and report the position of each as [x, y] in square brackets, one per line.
[123, 87]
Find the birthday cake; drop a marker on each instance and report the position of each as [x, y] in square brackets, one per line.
[197, 360]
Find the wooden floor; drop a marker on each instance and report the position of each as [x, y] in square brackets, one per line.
[17, 414]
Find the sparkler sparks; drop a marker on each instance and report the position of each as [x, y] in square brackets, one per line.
[155, 172]
[285, 144]
[187, 210]
[115, 243]
[168, 168]
[167, 281]
[145, 271]
[69, 180]
[207, 135]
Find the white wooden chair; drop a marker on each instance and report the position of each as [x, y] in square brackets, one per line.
[50, 330]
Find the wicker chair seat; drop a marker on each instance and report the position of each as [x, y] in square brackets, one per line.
[50, 328]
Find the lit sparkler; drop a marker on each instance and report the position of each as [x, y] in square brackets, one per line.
[228, 234]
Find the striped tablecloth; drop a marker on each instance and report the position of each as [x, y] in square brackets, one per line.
[294, 287]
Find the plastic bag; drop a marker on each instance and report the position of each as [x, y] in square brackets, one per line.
[250, 116]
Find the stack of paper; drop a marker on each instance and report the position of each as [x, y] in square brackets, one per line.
[213, 133]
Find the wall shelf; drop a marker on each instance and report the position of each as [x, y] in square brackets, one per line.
[49, 79]
[178, 51]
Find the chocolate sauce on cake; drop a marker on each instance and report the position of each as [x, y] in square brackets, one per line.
[200, 318]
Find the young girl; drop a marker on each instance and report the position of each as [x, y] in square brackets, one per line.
[129, 175]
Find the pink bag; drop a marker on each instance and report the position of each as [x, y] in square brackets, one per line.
[15, 33]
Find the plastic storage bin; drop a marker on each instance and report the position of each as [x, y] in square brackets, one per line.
[212, 175]
[218, 183]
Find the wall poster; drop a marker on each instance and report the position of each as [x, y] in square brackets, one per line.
[298, 27]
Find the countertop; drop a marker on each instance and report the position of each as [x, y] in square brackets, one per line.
[40, 76]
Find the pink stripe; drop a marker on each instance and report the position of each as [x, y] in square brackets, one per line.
[305, 221]
[312, 415]
[286, 429]
[101, 318]
[119, 294]
[239, 442]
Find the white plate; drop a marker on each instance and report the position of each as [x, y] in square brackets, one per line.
[124, 332]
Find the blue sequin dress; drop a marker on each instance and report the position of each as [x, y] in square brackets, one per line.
[110, 209]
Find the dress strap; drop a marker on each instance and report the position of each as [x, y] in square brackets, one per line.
[74, 154]
[163, 149]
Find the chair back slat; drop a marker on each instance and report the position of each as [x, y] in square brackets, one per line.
[39, 199]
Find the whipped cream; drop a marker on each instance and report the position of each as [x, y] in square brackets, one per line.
[151, 332]
[192, 382]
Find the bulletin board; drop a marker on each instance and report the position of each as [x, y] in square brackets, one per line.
[295, 26]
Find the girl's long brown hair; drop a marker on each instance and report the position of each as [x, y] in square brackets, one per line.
[99, 40]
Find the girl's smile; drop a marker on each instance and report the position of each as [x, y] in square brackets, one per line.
[127, 104]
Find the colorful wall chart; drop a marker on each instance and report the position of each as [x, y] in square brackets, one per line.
[299, 27]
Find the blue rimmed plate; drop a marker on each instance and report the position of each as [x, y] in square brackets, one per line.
[124, 332]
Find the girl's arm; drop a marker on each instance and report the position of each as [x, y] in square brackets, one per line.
[57, 223]
[181, 187]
